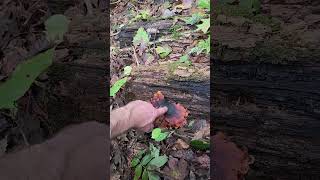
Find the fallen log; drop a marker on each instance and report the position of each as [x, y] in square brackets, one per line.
[192, 90]
[274, 111]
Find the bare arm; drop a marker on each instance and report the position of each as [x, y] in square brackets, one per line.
[137, 114]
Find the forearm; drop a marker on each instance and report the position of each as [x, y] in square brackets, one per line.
[119, 121]
[77, 151]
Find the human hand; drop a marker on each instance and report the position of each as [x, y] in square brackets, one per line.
[142, 114]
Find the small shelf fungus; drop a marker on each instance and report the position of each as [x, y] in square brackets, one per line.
[176, 115]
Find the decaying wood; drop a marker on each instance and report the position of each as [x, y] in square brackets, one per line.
[274, 111]
[156, 29]
[192, 91]
[78, 77]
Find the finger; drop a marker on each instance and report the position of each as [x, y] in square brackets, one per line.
[147, 128]
[161, 111]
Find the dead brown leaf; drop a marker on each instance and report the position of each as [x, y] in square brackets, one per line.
[176, 170]
[180, 144]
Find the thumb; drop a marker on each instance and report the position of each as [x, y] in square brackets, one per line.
[161, 111]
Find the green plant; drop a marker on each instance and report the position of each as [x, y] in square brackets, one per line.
[194, 19]
[204, 4]
[26, 73]
[142, 15]
[163, 51]
[185, 59]
[200, 145]
[121, 82]
[203, 45]
[157, 135]
[204, 26]
[145, 162]
[141, 37]
[176, 34]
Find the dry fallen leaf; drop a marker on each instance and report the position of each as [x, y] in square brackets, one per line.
[204, 161]
[180, 144]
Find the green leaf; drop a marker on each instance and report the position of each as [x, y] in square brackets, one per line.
[163, 51]
[203, 45]
[157, 135]
[145, 174]
[153, 176]
[137, 172]
[146, 159]
[158, 162]
[23, 77]
[134, 162]
[127, 70]
[200, 145]
[195, 18]
[204, 27]
[117, 86]
[185, 59]
[56, 26]
[141, 37]
[204, 4]
[155, 152]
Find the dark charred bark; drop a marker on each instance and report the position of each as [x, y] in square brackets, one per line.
[274, 111]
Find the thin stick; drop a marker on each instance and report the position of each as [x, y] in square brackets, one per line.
[135, 55]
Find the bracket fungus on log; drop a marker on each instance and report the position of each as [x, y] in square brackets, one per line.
[176, 114]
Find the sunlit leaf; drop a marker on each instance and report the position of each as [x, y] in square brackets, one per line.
[157, 135]
[117, 86]
[204, 27]
[127, 70]
[22, 78]
[205, 4]
[195, 18]
[163, 51]
[141, 37]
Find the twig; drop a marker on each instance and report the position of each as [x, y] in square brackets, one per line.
[135, 55]
[112, 3]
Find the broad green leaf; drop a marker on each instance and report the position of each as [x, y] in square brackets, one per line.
[134, 162]
[200, 145]
[153, 176]
[22, 78]
[185, 59]
[146, 159]
[127, 70]
[137, 172]
[155, 152]
[204, 27]
[117, 86]
[56, 26]
[163, 51]
[141, 37]
[145, 174]
[158, 162]
[204, 4]
[157, 135]
[195, 18]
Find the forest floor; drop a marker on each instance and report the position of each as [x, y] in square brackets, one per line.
[184, 161]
